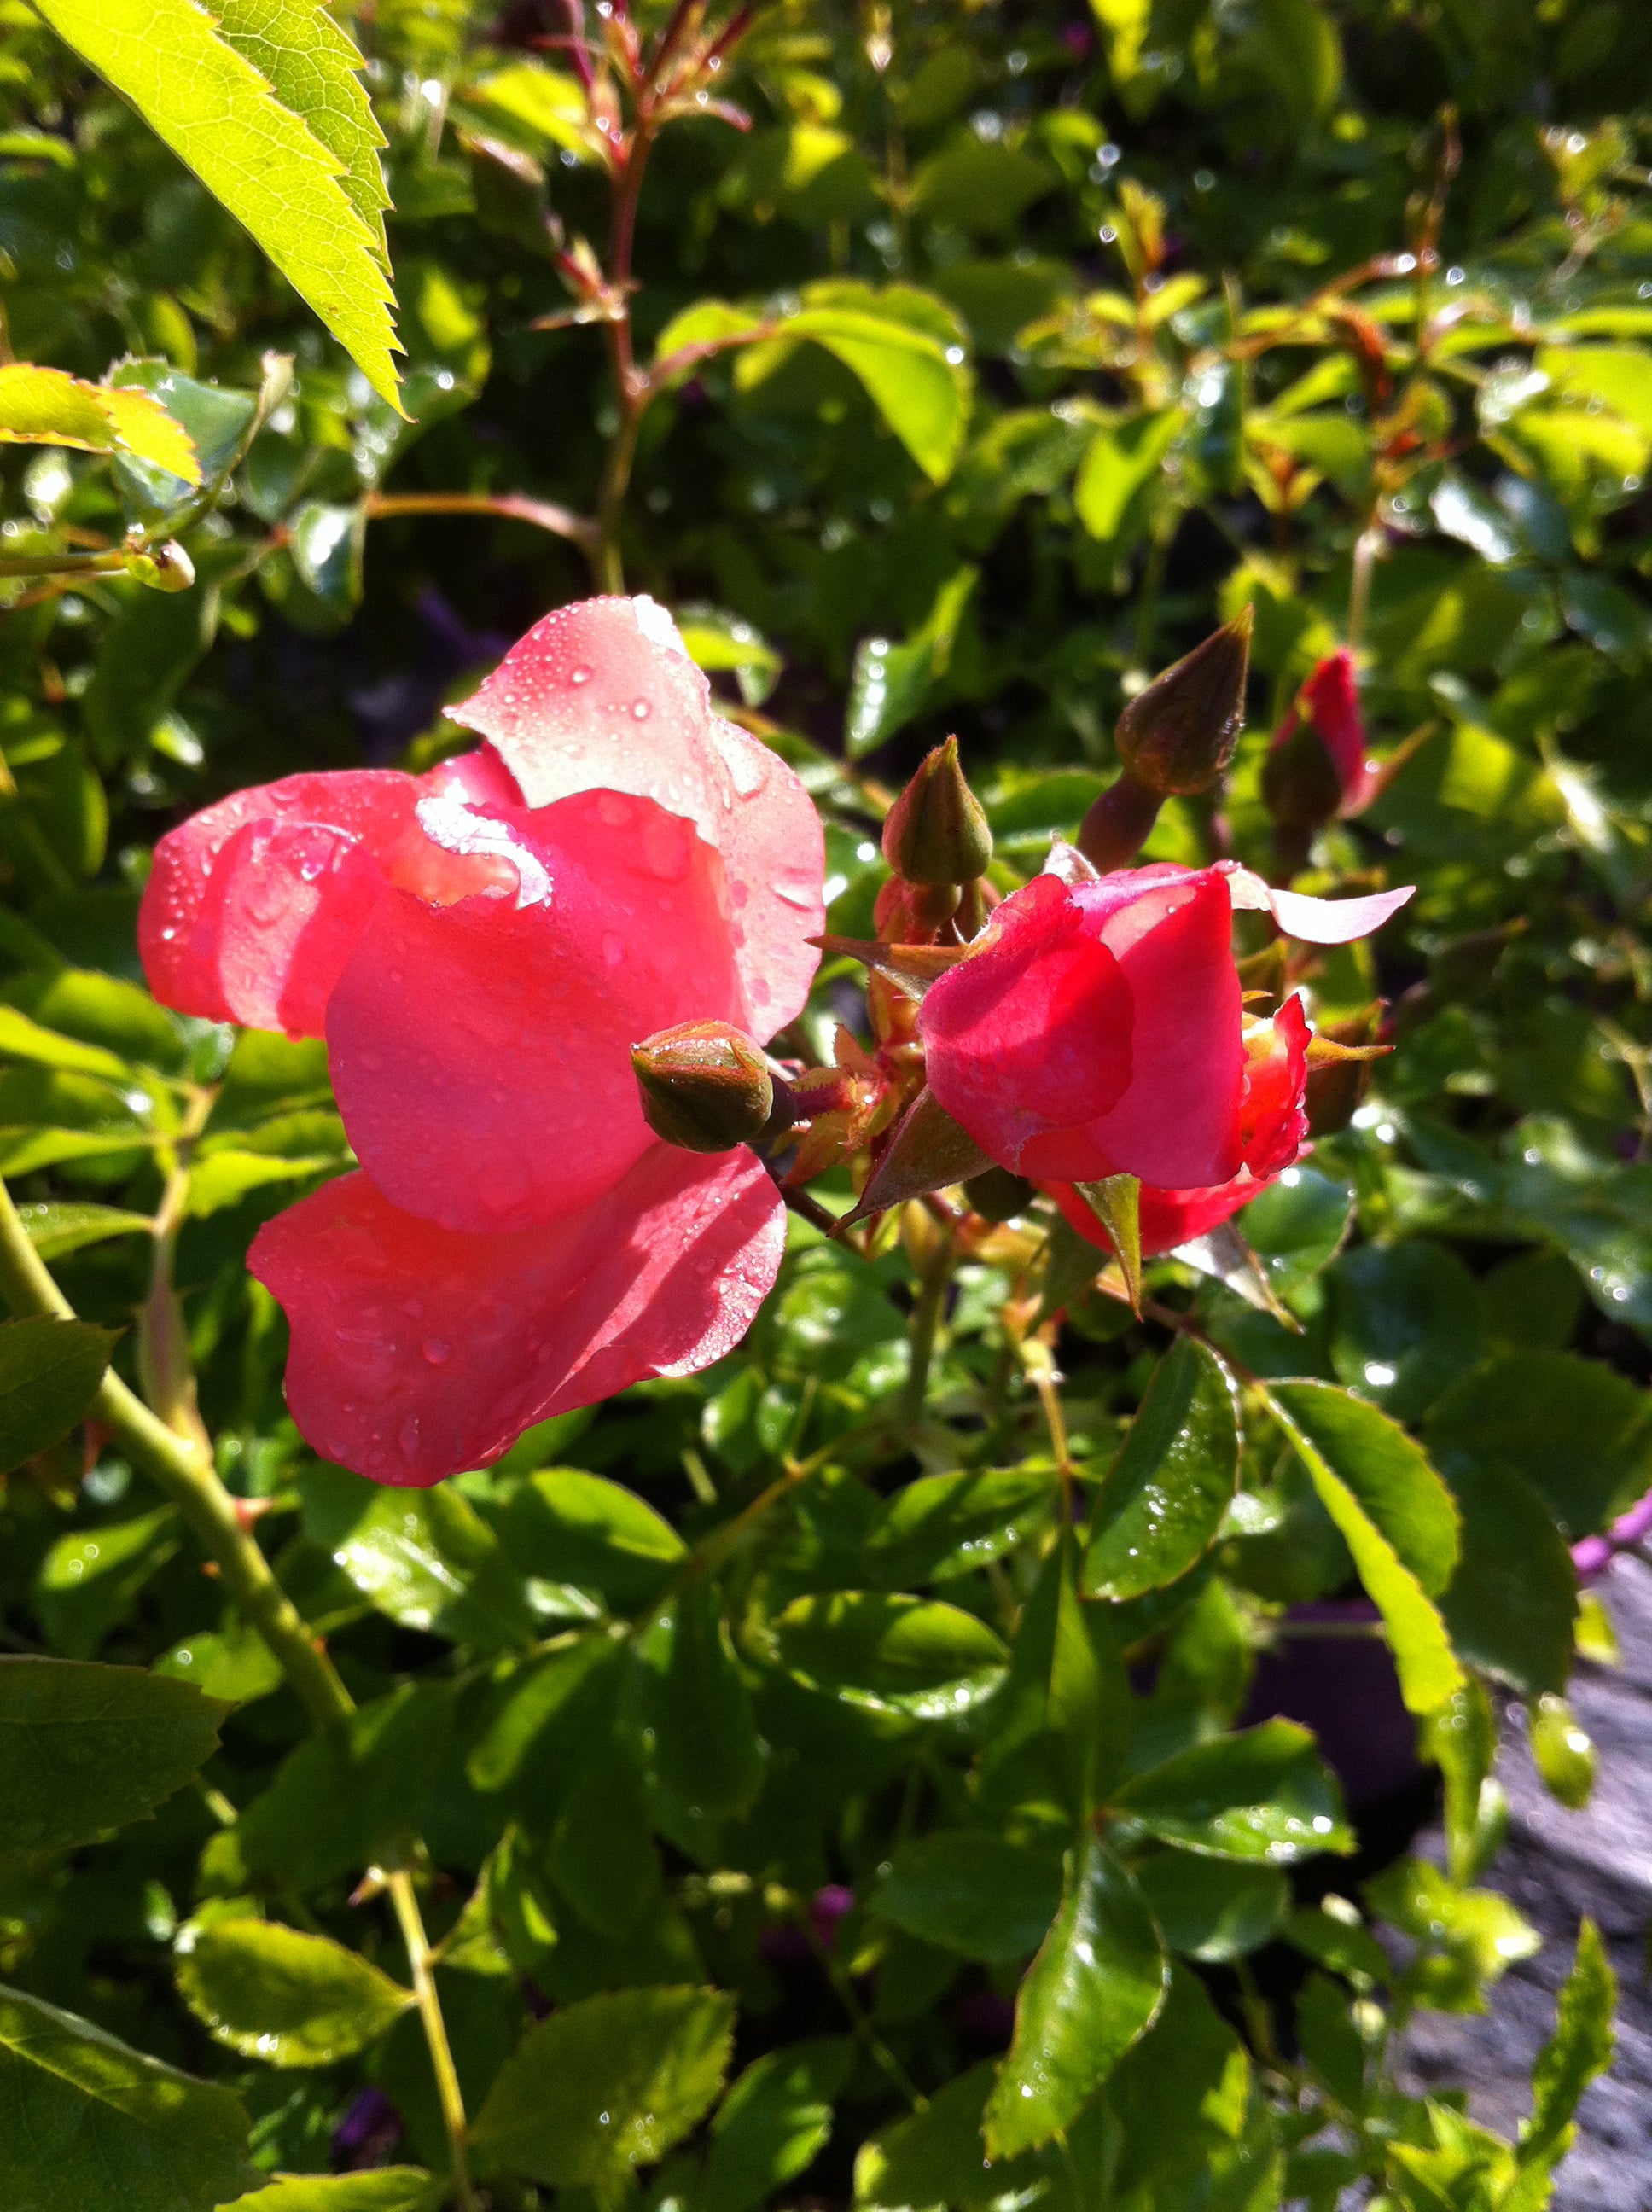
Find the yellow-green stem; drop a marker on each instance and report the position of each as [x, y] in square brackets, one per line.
[448, 2093]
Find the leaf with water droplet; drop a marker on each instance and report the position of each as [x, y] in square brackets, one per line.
[1174, 1477]
[1094, 1987]
[1264, 1793]
[278, 1994]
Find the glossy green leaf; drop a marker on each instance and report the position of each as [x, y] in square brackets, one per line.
[1263, 1793]
[1396, 1518]
[906, 348]
[1406, 1324]
[1581, 1435]
[1511, 1606]
[425, 1558]
[1212, 1909]
[774, 2121]
[565, 1526]
[604, 2086]
[60, 1226]
[313, 68]
[23, 1039]
[1062, 1723]
[1297, 1226]
[896, 1655]
[1466, 1939]
[972, 1893]
[234, 1664]
[1094, 1987]
[89, 1581]
[1562, 1751]
[277, 1994]
[218, 114]
[1164, 1496]
[88, 2120]
[934, 2157]
[85, 1747]
[946, 1524]
[50, 1371]
[892, 683]
[1179, 2097]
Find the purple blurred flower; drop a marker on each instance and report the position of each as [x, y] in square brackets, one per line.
[1595, 1554]
[368, 2134]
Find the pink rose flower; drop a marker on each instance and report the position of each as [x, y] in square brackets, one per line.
[1098, 1028]
[1316, 766]
[480, 947]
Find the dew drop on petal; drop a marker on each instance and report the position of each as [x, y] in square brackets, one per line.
[579, 675]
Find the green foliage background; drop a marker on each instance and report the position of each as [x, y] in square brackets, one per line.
[765, 1725]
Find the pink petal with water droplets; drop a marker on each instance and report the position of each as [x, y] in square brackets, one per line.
[601, 696]
[253, 904]
[418, 1353]
[480, 1051]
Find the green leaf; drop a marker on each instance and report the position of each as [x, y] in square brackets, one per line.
[1512, 1605]
[1179, 2098]
[85, 1747]
[391, 2189]
[906, 347]
[61, 1226]
[1581, 1435]
[220, 419]
[980, 185]
[706, 1748]
[224, 1178]
[89, 1580]
[50, 1372]
[1263, 1793]
[275, 175]
[604, 2086]
[1213, 1909]
[1094, 1987]
[1580, 2048]
[311, 66]
[946, 1524]
[933, 2157]
[1406, 1323]
[890, 683]
[1122, 459]
[563, 1526]
[774, 2121]
[1165, 1494]
[1460, 1737]
[88, 2121]
[1064, 1716]
[1467, 1938]
[718, 641]
[1562, 1751]
[971, 1892]
[236, 1665]
[425, 1558]
[46, 407]
[1296, 1227]
[277, 1994]
[1396, 1518]
[22, 1039]
[893, 1654]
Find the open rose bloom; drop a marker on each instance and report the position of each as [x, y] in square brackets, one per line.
[480, 947]
[1100, 1031]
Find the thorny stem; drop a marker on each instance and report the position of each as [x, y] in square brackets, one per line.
[181, 1466]
[448, 2093]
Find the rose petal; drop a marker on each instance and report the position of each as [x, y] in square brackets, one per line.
[1331, 699]
[253, 904]
[1176, 1124]
[1169, 1217]
[602, 695]
[1273, 1117]
[1031, 1034]
[1314, 920]
[480, 1051]
[416, 1352]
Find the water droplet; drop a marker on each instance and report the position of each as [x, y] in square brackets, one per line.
[580, 675]
[641, 710]
[435, 1349]
[410, 1437]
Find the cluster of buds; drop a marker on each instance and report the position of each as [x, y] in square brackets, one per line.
[1175, 738]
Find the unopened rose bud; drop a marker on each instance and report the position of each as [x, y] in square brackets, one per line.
[1177, 735]
[705, 1086]
[937, 831]
[1316, 765]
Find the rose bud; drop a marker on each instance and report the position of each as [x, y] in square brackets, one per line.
[937, 831]
[1316, 765]
[1175, 738]
[705, 1086]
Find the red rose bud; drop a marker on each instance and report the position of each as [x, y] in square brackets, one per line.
[705, 1086]
[936, 831]
[1316, 766]
[1177, 735]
